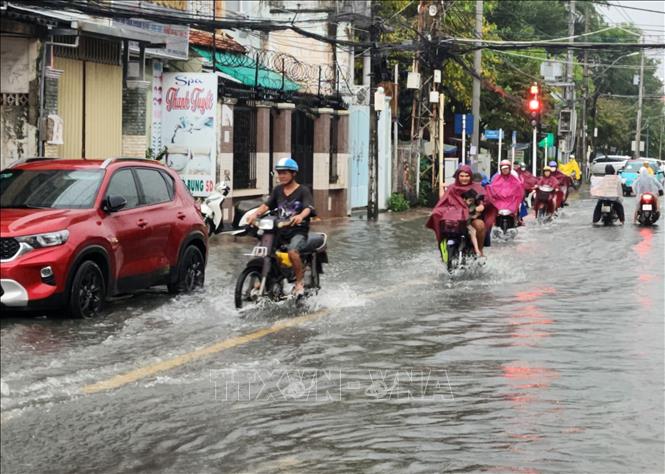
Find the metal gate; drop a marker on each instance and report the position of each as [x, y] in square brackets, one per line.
[359, 152]
[244, 147]
[302, 146]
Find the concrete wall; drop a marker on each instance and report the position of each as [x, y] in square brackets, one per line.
[19, 112]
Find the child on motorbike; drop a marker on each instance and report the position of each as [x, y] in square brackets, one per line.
[471, 199]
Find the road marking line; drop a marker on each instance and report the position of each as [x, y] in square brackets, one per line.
[182, 359]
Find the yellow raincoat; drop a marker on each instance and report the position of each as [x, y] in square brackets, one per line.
[571, 169]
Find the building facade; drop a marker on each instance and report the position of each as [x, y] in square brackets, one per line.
[76, 85]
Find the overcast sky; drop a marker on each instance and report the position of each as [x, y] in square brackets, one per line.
[653, 24]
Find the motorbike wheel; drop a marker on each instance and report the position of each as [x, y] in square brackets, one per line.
[315, 282]
[247, 286]
[453, 258]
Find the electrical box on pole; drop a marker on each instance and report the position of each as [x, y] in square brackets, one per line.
[565, 121]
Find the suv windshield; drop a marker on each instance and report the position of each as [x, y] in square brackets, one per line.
[49, 189]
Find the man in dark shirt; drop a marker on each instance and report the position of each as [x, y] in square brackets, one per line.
[295, 201]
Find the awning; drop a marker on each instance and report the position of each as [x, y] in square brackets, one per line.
[94, 25]
[243, 69]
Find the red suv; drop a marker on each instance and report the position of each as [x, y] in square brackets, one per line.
[74, 232]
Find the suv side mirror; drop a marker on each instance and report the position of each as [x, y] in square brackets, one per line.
[114, 203]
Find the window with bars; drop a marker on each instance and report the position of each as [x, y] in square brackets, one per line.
[244, 147]
[334, 131]
[93, 49]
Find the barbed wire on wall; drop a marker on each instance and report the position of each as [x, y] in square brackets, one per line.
[313, 78]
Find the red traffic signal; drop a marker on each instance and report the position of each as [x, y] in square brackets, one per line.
[534, 105]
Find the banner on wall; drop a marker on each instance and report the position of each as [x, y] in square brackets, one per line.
[189, 129]
[156, 135]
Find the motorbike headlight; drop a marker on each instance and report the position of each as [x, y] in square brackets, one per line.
[50, 239]
[266, 224]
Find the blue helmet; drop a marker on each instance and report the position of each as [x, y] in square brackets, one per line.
[553, 164]
[287, 164]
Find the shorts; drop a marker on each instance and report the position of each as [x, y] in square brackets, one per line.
[297, 242]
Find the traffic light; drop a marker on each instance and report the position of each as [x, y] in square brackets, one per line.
[535, 105]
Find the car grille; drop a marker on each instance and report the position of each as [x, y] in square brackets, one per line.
[8, 248]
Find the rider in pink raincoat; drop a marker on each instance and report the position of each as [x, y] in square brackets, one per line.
[453, 207]
[528, 180]
[506, 191]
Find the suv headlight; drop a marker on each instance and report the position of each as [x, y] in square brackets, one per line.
[50, 239]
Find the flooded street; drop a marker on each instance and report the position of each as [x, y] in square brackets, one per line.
[550, 358]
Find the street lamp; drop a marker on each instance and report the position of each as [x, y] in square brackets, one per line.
[616, 61]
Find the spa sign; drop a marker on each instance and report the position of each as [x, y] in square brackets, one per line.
[189, 129]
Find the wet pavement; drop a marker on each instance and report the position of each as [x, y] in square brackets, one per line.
[549, 358]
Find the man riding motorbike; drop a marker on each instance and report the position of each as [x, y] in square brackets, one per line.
[506, 190]
[528, 180]
[565, 183]
[528, 183]
[608, 189]
[647, 183]
[547, 179]
[572, 168]
[295, 201]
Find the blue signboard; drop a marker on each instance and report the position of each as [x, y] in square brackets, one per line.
[458, 124]
[493, 134]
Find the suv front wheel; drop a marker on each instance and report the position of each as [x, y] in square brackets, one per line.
[88, 291]
[191, 271]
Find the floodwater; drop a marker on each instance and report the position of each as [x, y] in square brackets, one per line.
[549, 358]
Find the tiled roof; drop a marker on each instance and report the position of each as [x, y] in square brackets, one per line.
[223, 41]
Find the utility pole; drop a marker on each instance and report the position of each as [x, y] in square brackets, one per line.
[638, 126]
[582, 157]
[373, 187]
[477, 65]
[415, 108]
[570, 88]
[441, 145]
[415, 67]
[660, 141]
[396, 121]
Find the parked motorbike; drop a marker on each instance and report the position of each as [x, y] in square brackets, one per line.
[456, 247]
[242, 210]
[505, 226]
[211, 208]
[608, 214]
[543, 203]
[646, 213]
[269, 275]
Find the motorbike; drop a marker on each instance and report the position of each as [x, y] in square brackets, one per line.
[646, 213]
[211, 209]
[608, 214]
[543, 200]
[506, 225]
[269, 274]
[455, 246]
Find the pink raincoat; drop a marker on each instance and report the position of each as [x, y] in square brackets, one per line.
[529, 181]
[452, 207]
[506, 192]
